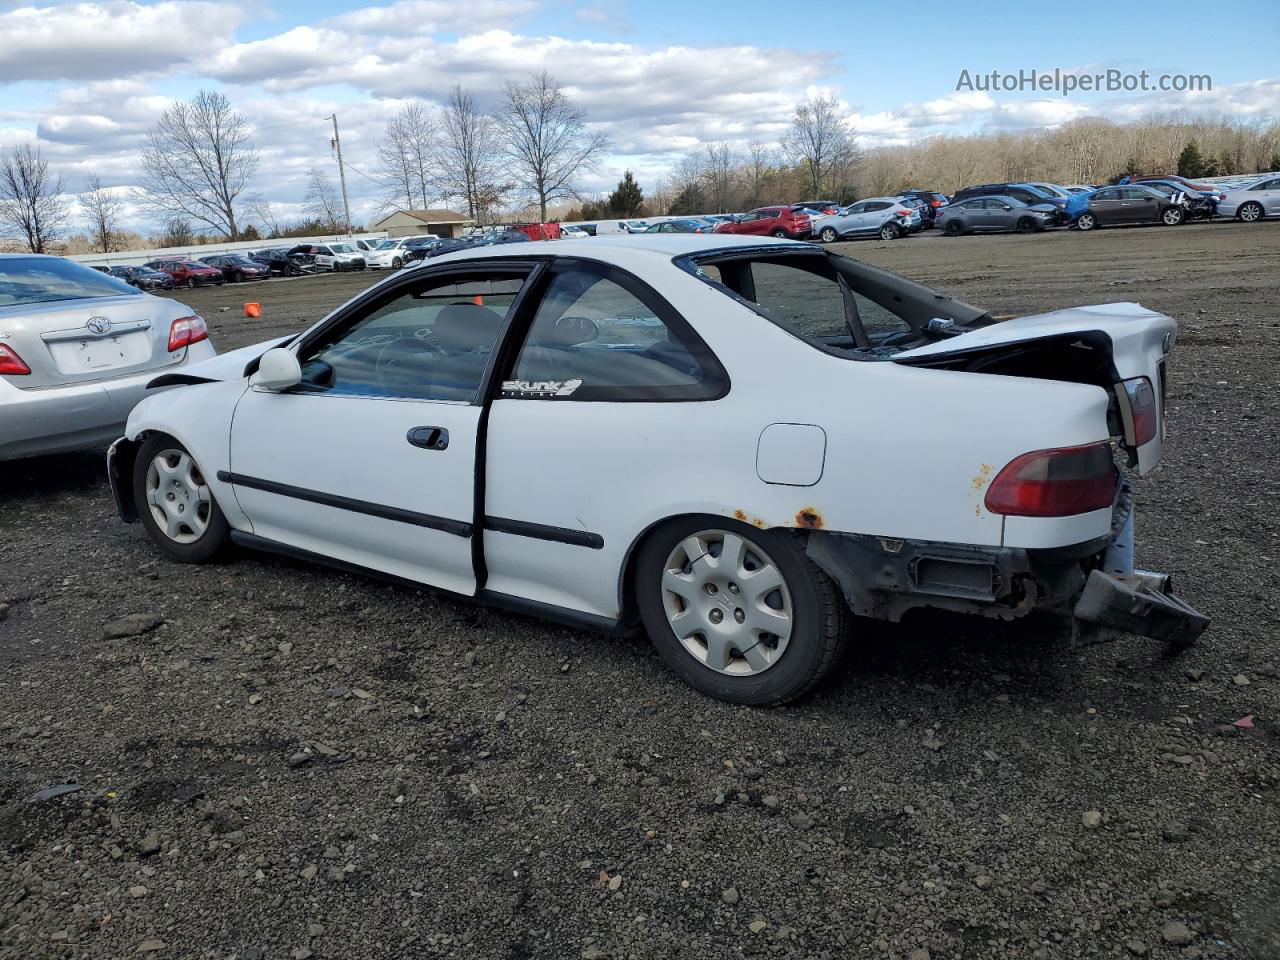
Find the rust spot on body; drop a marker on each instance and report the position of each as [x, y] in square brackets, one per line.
[984, 474]
[747, 518]
[809, 519]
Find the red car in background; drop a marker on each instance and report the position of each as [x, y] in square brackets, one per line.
[189, 273]
[771, 222]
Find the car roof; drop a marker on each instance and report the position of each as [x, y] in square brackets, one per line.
[621, 249]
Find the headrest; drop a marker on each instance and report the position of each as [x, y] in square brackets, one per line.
[467, 326]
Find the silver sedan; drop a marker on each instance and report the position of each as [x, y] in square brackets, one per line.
[988, 214]
[77, 350]
[1252, 201]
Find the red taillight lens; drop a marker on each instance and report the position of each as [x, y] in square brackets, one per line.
[1055, 483]
[935, 203]
[11, 363]
[186, 331]
[1142, 409]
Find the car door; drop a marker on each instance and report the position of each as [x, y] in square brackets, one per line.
[851, 224]
[606, 384]
[1269, 197]
[1138, 206]
[874, 215]
[370, 460]
[1105, 206]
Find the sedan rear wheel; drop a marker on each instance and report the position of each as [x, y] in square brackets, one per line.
[1250, 212]
[1172, 216]
[175, 504]
[396, 263]
[739, 613]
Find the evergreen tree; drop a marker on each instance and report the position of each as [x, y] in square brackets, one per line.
[628, 199]
[1190, 162]
[688, 201]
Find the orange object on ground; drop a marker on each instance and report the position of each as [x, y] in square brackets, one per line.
[478, 300]
[253, 309]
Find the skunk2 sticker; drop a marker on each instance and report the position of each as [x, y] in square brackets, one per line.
[541, 388]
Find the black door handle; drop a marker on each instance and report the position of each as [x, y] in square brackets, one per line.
[428, 438]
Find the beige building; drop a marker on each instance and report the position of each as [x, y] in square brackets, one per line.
[407, 223]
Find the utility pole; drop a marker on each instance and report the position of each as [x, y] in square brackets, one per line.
[336, 143]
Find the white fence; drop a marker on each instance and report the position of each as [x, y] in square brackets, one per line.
[196, 251]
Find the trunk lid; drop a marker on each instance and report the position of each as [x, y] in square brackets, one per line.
[1105, 344]
[74, 341]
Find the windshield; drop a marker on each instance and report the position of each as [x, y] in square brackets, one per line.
[341, 248]
[388, 245]
[46, 279]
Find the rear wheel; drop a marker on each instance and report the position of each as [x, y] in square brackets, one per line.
[175, 504]
[1250, 212]
[890, 231]
[740, 614]
[1086, 221]
[953, 228]
[1172, 216]
[1026, 225]
[827, 235]
[780, 233]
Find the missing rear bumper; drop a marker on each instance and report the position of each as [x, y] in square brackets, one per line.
[1139, 602]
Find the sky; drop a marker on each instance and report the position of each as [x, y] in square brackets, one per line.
[661, 78]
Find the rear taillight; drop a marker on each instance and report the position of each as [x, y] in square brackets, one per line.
[1144, 420]
[935, 203]
[186, 331]
[1055, 483]
[11, 363]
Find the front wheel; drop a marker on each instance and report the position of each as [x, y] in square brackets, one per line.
[827, 235]
[1086, 221]
[1250, 212]
[739, 613]
[396, 263]
[175, 504]
[1172, 216]
[1026, 225]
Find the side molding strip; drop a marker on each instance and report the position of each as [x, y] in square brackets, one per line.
[542, 531]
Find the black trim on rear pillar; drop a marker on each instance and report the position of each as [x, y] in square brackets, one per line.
[542, 531]
[458, 528]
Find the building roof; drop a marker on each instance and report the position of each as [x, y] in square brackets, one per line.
[428, 216]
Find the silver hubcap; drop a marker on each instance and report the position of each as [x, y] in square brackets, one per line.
[1250, 212]
[727, 603]
[887, 233]
[178, 497]
[1172, 216]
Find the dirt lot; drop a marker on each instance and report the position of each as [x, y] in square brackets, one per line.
[285, 762]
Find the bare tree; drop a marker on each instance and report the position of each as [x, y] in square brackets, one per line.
[468, 153]
[265, 211]
[103, 209]
[177, 232]
[322, 202]
[31, 199]
[820, 141]
[406, 157]
[759, 162]
[720, 172]
[198, 161]
[546, 139]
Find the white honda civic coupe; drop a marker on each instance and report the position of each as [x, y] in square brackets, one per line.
[733, 442]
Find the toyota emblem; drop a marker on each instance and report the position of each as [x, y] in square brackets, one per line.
[98, 325]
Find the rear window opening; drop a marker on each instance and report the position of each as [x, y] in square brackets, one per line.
[50, 279]
[836, 304]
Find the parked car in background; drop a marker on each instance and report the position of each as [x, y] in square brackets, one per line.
[1214, 193]
[682, 225]
[780, 221]
[100, 268]
[281, 262]
[993, 214]
[77, 350]
[828, 207]
[572, 233]
[1254, 201]
[885, 217]
[499, 459]
[332, 256]
[1052, 189]
[238, 268]
[1199, 206]
[189, 273]
[933, 202]
[1028, 194]
[144, 278]
[1129, 204]
[486, 239]
[389, 254]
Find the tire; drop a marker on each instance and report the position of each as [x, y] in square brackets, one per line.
[396, 263]
[1172, 216]
[953, 228]
[779, 233]
[1086, 221]
[890, 231]
[1250, 212]
[828, 235]
[806, 602]
[1026, 225]
[197, 534]
[237, 277]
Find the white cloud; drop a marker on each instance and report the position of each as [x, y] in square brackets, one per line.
[109, 39]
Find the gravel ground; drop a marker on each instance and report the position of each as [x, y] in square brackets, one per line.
[280, 761]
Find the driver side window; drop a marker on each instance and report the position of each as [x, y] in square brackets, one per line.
[430, 342]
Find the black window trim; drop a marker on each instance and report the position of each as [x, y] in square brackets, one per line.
[715, 384]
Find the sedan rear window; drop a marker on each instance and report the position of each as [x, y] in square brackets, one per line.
[48, 279]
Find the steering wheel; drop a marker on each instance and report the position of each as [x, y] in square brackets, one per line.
[391, 366]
